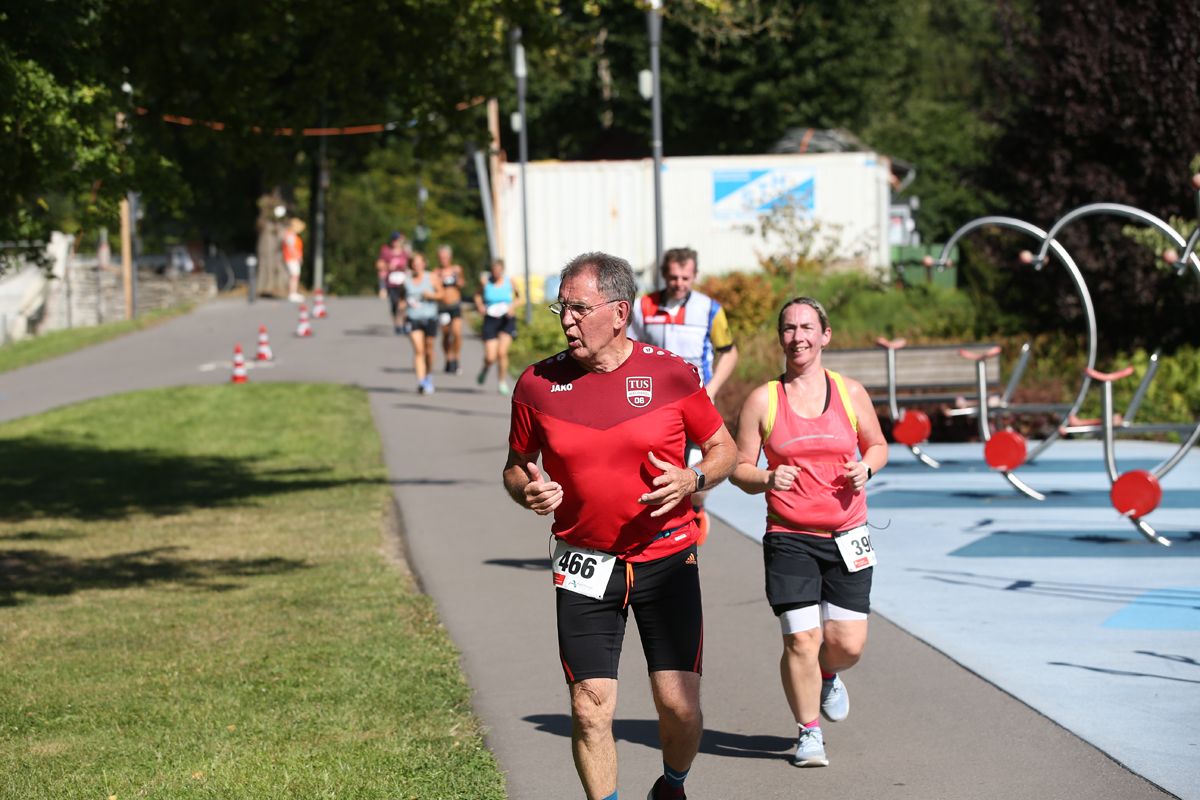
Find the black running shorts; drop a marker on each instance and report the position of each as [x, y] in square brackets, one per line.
[803, 570]
[429, 327]
[665, 598]
[494, 326]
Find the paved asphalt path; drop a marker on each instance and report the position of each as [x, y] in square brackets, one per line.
[921, 726]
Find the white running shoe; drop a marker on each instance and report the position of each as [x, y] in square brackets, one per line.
[835, 702]
[810, 750]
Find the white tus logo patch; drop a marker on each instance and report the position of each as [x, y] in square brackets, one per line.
[561, 387]
[639, 391]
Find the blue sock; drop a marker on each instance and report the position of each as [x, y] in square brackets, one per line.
[674, 779]
[612, 796]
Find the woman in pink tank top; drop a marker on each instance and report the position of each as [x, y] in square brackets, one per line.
[822, 442]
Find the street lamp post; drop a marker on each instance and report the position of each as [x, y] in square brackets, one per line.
[520, 72]
[654, 29]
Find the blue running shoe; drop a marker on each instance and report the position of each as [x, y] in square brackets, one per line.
[835, 702]
[810, 751]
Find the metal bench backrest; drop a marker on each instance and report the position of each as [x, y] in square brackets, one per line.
[918, 367]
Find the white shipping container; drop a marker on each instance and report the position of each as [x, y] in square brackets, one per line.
[713, 204]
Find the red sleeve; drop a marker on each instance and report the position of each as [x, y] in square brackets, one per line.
[522, 431]
[700, 418]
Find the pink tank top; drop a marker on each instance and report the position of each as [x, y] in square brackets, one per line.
[819, 502]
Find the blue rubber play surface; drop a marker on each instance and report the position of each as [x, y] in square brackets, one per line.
[1061, 603]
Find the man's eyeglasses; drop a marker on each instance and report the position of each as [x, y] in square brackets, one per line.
[580, 311]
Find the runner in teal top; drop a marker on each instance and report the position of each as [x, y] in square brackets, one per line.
[423, 298]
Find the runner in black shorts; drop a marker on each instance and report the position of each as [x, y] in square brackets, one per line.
[822, 441]
[609, 418]
[665, 598]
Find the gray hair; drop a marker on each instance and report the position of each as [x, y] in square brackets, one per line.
[614, 276]
[805, 301]
[445, 247]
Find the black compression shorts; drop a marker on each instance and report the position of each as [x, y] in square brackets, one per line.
[803, 570]
[665, 598]
[453, 309]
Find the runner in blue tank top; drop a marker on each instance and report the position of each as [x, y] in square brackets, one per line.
[497, 301]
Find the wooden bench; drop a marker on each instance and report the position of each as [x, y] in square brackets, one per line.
[927, 373]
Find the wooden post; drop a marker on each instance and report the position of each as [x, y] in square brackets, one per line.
[127, 257]
[493, 114]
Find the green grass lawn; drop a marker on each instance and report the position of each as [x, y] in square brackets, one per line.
[59, 343]
[196, 601]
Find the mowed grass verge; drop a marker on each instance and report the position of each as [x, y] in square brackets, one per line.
[59, 343]
[195, 602]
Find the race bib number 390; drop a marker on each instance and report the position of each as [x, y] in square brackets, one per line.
[584, 572]
[855, 547]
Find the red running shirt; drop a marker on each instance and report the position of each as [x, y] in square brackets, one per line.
[594, 431]
[819, 501]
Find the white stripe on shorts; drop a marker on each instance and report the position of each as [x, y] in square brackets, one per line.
[799, 620]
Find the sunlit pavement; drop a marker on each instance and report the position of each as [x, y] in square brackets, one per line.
[921, 726]
[1060, 603]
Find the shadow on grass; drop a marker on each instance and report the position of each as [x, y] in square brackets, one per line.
[44, 477]
[43, 573]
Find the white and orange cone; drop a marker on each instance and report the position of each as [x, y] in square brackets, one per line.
[304, 329]
[239, 365]
[319, 304]
[264, 345]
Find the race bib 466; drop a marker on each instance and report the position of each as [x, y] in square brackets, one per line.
[582, 571]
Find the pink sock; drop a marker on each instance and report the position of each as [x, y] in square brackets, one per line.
[816, 723]
[828, 676]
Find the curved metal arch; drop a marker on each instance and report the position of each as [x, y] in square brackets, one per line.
[1080, 287]
[1128, 212]
[1189, 257]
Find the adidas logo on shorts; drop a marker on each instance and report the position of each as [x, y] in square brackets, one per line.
[691, 559]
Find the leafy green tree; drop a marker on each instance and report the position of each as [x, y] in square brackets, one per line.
[57, 130]
[1103, 105]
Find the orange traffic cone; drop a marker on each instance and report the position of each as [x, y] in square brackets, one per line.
[239, 365]
[264, 345]
[304, 329]
[319, 305]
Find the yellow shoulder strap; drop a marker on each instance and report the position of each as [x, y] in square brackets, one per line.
[841, 387]
[772, 407]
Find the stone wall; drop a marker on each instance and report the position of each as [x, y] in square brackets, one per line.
[86, 295]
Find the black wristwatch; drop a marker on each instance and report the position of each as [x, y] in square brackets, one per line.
[869, 472]
[699, 478]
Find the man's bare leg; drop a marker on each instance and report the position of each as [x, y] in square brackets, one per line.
[593, 706]
[680, 722]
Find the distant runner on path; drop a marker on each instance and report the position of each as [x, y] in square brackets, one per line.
[610, 418]
[423, 296]
[817, 550]
[392, 267]
[693, 325]
[450, 307]
[497, 302]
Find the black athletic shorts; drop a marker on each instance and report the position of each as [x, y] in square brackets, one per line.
[492, 326]
[395, 295]
[453, 309]
[665, 598]
[427, 326]
[803, 570]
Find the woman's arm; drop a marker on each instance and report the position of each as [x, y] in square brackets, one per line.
[872, 446]
[746, 475]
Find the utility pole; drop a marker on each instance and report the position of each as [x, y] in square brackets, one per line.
[520, 72]
[319, 216]
[654, 29]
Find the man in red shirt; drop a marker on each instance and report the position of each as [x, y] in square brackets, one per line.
[610, 418]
